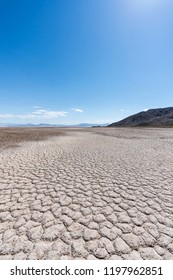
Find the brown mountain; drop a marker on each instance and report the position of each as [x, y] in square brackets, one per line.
[154, 117]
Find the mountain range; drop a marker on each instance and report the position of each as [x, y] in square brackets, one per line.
[160, 117]
[50, 125]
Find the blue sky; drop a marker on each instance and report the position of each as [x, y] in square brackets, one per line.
[64, 61]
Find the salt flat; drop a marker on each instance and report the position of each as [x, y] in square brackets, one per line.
[98, 193]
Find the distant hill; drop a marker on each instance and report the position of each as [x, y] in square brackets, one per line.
[160, 117]
[91, 124]
[50, 125]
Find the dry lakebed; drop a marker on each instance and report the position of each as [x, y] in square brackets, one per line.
[93, 193]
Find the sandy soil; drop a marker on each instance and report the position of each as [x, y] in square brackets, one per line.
[101, 193]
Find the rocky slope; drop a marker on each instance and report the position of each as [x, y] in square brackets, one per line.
[153, 117]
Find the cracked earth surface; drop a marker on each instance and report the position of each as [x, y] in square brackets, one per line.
[95, 194]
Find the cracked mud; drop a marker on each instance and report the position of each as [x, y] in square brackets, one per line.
[90, 194]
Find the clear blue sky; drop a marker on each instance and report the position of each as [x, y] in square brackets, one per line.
[64, 61]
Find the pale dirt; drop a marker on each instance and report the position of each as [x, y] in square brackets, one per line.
[100, 193]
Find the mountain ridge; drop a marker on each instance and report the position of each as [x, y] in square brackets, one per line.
[159, 117]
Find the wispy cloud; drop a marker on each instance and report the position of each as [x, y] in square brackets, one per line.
[46, 114]
[145, 110]
[36, 107]
[11, 116]
[78, 110]
[38, 114]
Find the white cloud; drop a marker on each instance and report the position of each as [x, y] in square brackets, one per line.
[145, 110]
[11, 116]
[6, 116]
[78, 110]
[38, 114]
[36, 107]
[46, 114]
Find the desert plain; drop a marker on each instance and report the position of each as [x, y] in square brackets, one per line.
[93, 193]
